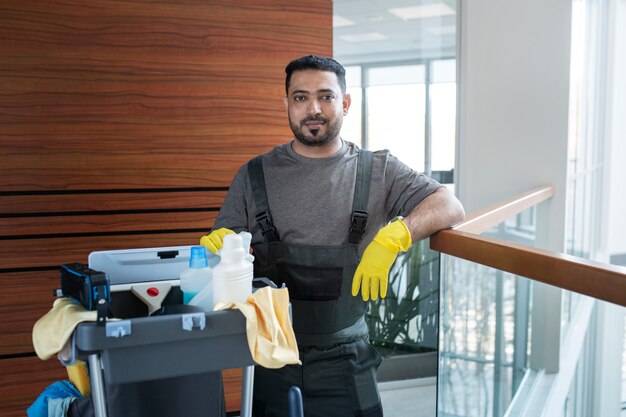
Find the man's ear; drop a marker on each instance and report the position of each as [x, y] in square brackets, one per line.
[347, 100]
[286, 101]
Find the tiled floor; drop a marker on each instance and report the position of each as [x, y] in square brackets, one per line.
[410, 398]
[414, 398]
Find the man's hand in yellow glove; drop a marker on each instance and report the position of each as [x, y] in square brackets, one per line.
[373, 271]
[215, 240]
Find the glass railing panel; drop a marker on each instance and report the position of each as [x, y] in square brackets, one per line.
[485, 322]
[405, 321]
[569, 304]
[623, 367]
[404, 330]
[404, 326]
[593, 363]
[511, 346]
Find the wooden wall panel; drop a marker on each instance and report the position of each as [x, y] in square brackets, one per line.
[25, 297]
[232, 387]
[22, 380]
[33, 254]
[111, 223]
[109, 202]
[123, 123]
[133, 94]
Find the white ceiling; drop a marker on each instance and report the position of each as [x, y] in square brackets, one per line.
[393, 36]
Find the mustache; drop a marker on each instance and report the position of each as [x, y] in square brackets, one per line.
[316, 118]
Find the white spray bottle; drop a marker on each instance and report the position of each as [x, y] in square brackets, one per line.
[232, 276]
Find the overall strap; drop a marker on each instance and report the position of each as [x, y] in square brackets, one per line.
[361, 196]
[259, 193]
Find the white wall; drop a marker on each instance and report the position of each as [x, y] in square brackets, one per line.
[513, 132]
[617, 134]
[513, 103]
[514, 66]
[610, 323]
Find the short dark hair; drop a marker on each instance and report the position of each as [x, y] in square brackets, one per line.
[316, 63]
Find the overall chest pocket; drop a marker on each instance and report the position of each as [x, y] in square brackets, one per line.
[314, 283]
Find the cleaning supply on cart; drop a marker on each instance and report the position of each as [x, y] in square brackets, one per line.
[53, 330]
[246, 240]
[271, 339]
[54, 400]
[197, 275]
[89, 287]
[204, 298]
[151, 293]
[232, 276]
[79, 376]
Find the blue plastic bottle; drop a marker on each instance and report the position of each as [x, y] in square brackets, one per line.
[197, 276]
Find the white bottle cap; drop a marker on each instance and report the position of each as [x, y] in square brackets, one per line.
[232, 250]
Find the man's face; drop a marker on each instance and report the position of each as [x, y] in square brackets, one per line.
[315, 106]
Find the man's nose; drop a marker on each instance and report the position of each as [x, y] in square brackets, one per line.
[314, 107]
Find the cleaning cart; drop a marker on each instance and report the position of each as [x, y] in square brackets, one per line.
[158, 347]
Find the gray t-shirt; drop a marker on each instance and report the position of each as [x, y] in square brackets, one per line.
[310, 199]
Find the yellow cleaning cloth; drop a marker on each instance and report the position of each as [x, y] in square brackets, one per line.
[54, 329]
[270, 335]
[79, 376]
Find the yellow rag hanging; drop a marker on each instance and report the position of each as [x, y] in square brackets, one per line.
[268, 327]
[54, 329]
[78, 375]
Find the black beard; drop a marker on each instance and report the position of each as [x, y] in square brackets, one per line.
[317, 139]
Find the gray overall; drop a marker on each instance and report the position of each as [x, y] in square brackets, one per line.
[338, 372]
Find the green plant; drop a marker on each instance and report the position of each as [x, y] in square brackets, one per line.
[406, 320]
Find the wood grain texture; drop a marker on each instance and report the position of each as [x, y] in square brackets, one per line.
[572, 273]
[482, 220]
[232, 388]
[15, 205]
[22, 380]
[127, 95]
[110, 223]
[52, 252]
[25, 297]
[136, 94]
[602, 281]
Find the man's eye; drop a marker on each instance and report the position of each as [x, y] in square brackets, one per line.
[328, 98]
[298, 98]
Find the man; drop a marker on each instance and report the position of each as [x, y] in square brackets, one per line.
[318, 209]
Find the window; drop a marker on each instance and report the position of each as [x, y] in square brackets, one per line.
[409, 109]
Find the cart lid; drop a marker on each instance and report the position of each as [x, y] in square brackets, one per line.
[131, 266]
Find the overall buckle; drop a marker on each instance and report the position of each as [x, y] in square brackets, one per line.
[264, 220]
[357, 228]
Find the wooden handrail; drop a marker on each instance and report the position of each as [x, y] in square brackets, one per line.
[602, 281]
[482, 220]
[598, 280]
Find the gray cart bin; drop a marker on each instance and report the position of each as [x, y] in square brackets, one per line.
[162, 347]
[163, 352]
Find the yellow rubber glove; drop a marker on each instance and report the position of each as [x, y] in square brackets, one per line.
[373, 270]
[215, 240]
